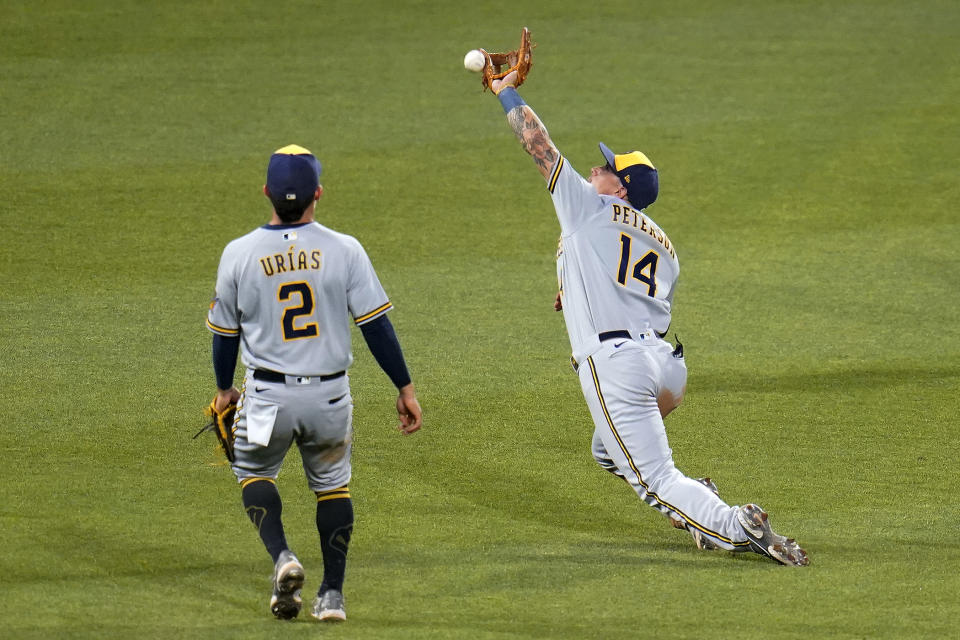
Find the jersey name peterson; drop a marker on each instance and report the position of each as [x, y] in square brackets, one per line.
[633, 218]
[292, 260]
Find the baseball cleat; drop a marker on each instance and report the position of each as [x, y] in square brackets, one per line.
[329, 606]
[699, 538]
[753, 520]
[285, 602]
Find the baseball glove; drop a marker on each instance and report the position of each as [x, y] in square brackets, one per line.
[519, 60]
[221, 423]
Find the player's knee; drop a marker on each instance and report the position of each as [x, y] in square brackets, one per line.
[667, 401]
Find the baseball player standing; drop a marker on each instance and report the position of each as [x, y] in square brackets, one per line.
[284, 295]
[617, 271]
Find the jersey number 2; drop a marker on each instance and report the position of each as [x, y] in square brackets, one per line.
[290, 314]
[644, 269]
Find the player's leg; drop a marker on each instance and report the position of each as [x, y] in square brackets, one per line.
[257, 465]
[752, 519]
[601, 456]
[673, 386]
[263, 436]
[603, 459]
[621, 388]
[673, 379]
[335, 526]
[261, 501]
[325, 446]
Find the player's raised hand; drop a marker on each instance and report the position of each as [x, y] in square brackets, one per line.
[408, 409]
[509, 80]
[497, 67]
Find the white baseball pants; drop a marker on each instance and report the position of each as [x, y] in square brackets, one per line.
[621, 382]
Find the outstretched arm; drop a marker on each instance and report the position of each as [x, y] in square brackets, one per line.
[526, 125]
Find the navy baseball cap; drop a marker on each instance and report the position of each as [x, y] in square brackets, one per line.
[293, 176]
[636, 173]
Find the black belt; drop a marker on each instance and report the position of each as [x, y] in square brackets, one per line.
[275, 376]
[611, 335]
[621, 333]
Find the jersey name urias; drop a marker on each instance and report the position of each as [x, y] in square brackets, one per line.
[616, 268]
[283, 289]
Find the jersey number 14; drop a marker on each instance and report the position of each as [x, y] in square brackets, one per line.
[643, 270]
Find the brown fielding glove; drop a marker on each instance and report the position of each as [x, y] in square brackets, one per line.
[519, 60]
[221, 423]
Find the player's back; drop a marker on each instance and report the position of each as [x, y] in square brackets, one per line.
[293, 284]
[638, 266]
[617, 268]
[620, 271]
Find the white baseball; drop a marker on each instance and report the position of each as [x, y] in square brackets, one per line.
[474, 61]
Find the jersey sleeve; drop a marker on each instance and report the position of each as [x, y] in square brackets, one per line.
[574, 198]
[223, 317]
[366, 298]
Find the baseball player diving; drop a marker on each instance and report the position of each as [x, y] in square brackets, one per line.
[286, 294]
[617, 273]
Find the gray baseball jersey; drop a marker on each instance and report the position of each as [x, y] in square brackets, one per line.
[284, 290]
[616, 268]
[618, 271]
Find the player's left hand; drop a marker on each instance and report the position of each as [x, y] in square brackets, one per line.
[509, 80]
[558, 303]
[226, 397]
[408, 409]
[517, 63]
[222, 411]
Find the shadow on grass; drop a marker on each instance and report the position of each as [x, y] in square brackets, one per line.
[819, 381]
[80, 551]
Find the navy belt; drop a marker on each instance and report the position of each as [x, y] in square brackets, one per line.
[621, 333]
[612, 335]
[275, 376]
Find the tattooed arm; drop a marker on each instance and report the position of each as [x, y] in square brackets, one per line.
[534, 137]
[526, 125]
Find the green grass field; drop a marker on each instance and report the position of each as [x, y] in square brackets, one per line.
[808, 165]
